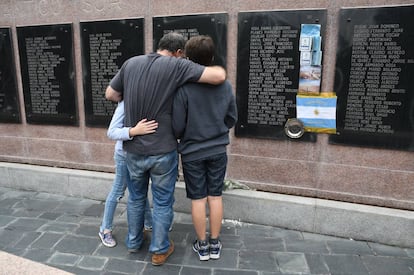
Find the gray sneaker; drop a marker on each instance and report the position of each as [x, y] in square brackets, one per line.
[107, 239]
[202, 249]
[215, 248]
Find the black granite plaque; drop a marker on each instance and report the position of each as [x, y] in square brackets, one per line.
[105, 47]
[47, 68]
[374, 78]
[214, 25]
[268, 70]
[9, 100]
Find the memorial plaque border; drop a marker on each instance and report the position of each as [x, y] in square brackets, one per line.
[130, 46]
[215, 25]
[271, 18]
[403, 138]
[11, 112]
[67, 111]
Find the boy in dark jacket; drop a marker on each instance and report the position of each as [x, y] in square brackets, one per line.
[202, 117]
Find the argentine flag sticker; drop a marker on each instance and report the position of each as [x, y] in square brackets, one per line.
[317, 113]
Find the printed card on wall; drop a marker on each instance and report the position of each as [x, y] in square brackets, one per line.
[310, 59]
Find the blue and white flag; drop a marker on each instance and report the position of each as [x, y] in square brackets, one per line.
[317, 113]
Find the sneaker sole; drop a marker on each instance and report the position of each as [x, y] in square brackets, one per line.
[215, 256]
[106, 244]
[202, 258]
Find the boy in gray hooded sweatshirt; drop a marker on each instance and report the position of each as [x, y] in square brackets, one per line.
[202, 117]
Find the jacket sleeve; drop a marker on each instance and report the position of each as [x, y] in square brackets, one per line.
[116, 129]
[179, 113]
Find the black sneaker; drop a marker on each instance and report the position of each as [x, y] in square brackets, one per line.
[215, 248]
[202, 249]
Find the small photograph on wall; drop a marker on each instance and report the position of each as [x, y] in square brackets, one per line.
[309, 80]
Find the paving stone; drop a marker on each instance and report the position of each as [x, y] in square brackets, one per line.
[255, 230]
[306, 246]
[232, 241]
[258, 243]
[320, 237]
[120, 251]
[349, 247]
[9, 236]
[27, 239]
[410, 252]
[386, 250]
[64, 259]
[233, 272]
[165, 269]
[70, 218]
[50, 216]
[39, 205]
[95, 210]
[72, 206]
[286, 234]
[8, 203]
[6, 211]
[26, 224]
[292, 263]
[27, 213]
[348, 264]
[187, 270]
[388, 265]
[92, 262]
[77, 270]
[258, 260]
[77, 245]
[228, 259]
[316, 264]
[59, 227]
[47, 240]
[87, 230]
[38, 255]
[124, 266]
[5, 220]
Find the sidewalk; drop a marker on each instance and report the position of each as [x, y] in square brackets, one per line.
[61, 232]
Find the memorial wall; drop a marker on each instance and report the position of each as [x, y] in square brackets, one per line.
[325, 89]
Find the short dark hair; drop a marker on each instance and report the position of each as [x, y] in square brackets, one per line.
[200, 49]
[172, 41]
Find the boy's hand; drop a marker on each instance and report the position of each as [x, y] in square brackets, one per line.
[143, 127]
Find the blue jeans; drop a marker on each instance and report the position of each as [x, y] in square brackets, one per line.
[162, 170]
[117, 192]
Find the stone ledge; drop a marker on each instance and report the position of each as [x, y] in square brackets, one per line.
[341, 219]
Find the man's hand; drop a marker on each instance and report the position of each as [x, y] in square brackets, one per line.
[143, 127]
